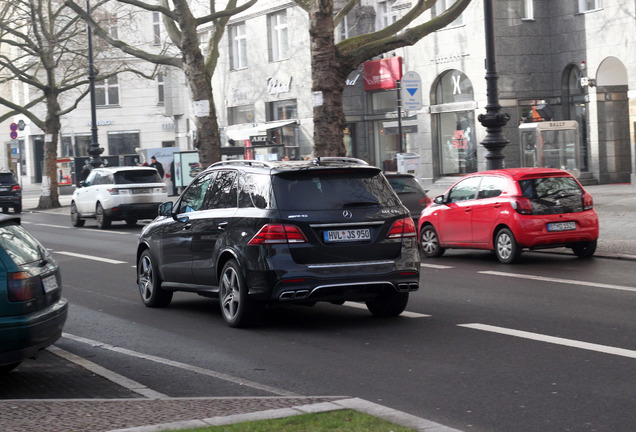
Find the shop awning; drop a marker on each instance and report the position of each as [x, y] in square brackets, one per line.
[243, 132]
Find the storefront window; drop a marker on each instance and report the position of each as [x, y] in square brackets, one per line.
[282, 110]
[121, 143]
[240, 114]
[454, 124]
[384, 101]
[457, 142]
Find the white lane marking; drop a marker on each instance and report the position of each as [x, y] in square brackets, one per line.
[404, 314]
[437, 266]
[50, 225]
[184, 366]
[68, 227]
[108, 374]
[553, 340]
[563, 281]
[90, 257]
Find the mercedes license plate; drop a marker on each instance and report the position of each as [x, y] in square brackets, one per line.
[347, 235]
[50, 284]
[561, 226]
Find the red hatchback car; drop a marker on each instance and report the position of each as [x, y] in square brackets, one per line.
[509, 210]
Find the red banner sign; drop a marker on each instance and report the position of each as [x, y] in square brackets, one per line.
[382, 74]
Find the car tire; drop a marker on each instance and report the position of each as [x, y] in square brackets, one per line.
[152, 295]
[236, 307]
[388, 304]
[429, 242]
[584, 249]
[76, 220]
[131, 222]
[506, 247]
[5, 369]
[103, 221]
[17, 208]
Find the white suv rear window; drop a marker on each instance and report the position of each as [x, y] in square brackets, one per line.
[137, 176]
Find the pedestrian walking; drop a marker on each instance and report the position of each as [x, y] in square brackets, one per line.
[157, 166]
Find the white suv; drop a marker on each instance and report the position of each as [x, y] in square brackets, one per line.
[118, 193]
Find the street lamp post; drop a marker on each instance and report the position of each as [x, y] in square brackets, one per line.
[493, 120]
[94, 150]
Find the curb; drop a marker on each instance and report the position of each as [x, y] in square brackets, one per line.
[388, 414]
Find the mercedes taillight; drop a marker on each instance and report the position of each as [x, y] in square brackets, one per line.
[278, 234]
[402, 228]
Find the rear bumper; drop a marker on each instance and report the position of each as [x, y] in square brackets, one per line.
[535, 234]
[10, 200]
[280, 279]
[21, 337]
[136, 211]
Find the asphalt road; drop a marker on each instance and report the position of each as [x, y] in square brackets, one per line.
[546, 345]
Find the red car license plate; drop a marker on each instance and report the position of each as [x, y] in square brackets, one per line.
[561, 226]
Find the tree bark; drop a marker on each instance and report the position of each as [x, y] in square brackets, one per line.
[327, 82]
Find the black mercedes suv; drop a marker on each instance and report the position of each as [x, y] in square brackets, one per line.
[10, 192]
[253, 233]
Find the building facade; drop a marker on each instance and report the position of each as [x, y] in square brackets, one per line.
[558, 62]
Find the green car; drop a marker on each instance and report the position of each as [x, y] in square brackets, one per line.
[32, 310]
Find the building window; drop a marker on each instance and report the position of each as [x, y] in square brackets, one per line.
[528, 9]
[387, 15]
[441, 6]
[107, 92]
[238, 46]
[121, 143]
[161, 95]
[342, 31]
[282, 110]
[454, 123]
[240, 114]
[111, 26]
[590, 5]
[278, 31]
[156, 28]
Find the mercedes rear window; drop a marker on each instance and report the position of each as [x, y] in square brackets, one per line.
[7, 179]
[553, 195]
[137, 176]
[332, 190]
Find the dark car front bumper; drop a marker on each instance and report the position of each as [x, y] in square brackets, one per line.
[21, 337]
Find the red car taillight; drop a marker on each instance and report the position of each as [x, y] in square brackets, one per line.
[402, 228]
[16, 188]
[278, 234]
[588, 202]
[522, 206]
[21, 286]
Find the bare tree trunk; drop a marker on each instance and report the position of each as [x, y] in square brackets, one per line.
[52, 128]
[207, 141]
[328, 82]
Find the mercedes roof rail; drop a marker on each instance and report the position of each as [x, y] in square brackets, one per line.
[338, 159]
[243, 162]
